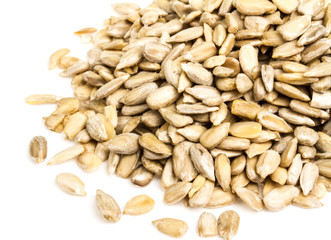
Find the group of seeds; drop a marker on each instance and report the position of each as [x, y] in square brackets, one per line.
[219, 98]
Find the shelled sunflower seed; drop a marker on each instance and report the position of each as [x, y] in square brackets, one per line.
[206, 93]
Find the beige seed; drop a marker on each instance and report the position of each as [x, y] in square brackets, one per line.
[107, 206]
[203, 195]
[56, 57]
[139, 205]
[210, 96]
[67, 106]
[245, 129]
[67, 154]
[324, 167]
[141, 177]
[251, 172]
[243, 83]
[99, 128]
[319, 70]
[249, 61]
[308, 177]
[223, 171]
[257, 149]
[245, 109]
[308, 201]
[41, 99]
[220, 198]
[321, 100]
[287, 49]
[152, 143]
[322, 85]
[319, 190]
[203, 161]
[201, 52]
[273, 122]
[77, 68]
[174, 118]
[267, 163]
[192, 132]
[152, 166]
[238, 165]
[156, 52]
[89, 161]
[113, 160]
[286, 6]
[234, 143]
[307, 152]
[280, 175]
[168, 177]
[187, 34]
[280, 197]
[266, 136]
[294, 170]
[70, 183]
[127, 164]
[126, 143]
[295, 27]
[309, 7]
[207, 225]
[182, 164]
[289, 153]
[171, 226]
[239, 180]
[214, 136]
[252, 199]
[177, 192]
[76, 123]
[228, 224]
[197, 73]
[305, 109]
[38, 149]
[324, 142]
[197, 183]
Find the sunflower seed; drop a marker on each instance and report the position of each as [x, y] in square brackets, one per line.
[207, 225]
[107, 206]
[38, 148]
[182, 164]
[251, 198]
[141, 177]
[308, 177]
[127, 165]
[267, 163]
[307, 201]
[214, 136]
[67, 154]
[70, 183]
[294, 170]
[203, 195]
[228, 224]
[171, 226]
[280, 197]
[139, 205]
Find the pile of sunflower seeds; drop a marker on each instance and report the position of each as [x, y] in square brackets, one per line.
[220, 99]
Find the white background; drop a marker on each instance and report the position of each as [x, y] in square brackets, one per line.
[31, 205]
